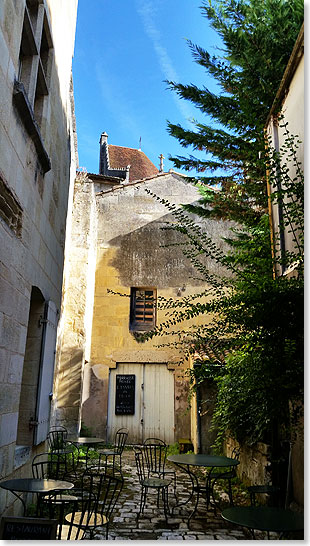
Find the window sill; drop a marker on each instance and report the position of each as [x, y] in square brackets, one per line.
[141, 329]
[25, 111]
[22, 455]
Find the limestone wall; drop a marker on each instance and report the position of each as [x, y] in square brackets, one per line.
[31, 249]
[131, 250]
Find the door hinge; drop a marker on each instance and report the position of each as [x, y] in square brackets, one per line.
[33, 423]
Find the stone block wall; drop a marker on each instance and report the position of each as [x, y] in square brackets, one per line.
[117, 244]
[33, 203]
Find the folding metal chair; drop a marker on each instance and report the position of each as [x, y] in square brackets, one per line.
[149, 482]
[99, 495]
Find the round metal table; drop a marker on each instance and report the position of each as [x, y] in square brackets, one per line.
[264, 518]
[84, 441]
[34, 485]
[188, 460]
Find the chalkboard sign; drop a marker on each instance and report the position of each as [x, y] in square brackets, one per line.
[12, 528]
[125, 395]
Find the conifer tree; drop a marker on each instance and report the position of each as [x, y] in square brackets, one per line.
[258, 37]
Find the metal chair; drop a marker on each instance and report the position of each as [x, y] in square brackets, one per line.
[148, 482]
[119, 444]
[155, 451]
[99, 495]
[61, 447]
[271, 490]
[228, 475]
[57, 440]
[51, 466]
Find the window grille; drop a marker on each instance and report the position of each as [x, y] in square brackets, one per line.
[142, 315]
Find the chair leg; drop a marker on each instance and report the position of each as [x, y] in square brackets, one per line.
[230, 493]
[142, 502]
[144, 498]
[213, 496]
[158, 496]
[175, 487]
[166, 504]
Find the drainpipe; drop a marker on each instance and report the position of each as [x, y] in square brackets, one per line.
[289, 478]
[198, 419]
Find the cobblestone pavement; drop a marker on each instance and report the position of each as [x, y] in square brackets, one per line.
[152, 524]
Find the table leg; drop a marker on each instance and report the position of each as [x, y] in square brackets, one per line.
[195, 489]
[21, 499]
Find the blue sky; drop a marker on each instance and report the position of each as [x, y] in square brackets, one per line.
[124, 51]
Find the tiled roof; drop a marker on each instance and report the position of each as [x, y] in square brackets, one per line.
[140, 165]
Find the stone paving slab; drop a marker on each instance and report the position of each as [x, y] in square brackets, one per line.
[152, 525]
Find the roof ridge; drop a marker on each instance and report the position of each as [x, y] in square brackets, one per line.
[128, 148]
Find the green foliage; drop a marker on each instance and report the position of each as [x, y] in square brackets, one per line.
[85, 431]
[251, 343]
[253, 346]
[258, 37]
[173, 449]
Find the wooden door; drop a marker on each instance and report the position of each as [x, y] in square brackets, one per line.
[153, 412]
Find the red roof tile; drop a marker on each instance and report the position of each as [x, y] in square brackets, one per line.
[140, 165]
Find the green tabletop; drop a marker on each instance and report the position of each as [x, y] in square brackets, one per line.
[264, 518]
[190, 459]
[34, 485]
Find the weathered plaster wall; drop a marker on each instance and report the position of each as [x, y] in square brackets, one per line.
[293, 115]
[292, 109]
[34, 255]
[77, 307]
[132, 251]
[254, 461]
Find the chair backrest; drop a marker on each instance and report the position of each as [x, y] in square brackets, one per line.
[155, 451]
[46, 465]
[100, 492]
[120, 440]
[56, 439]
[140, 464]
[235, 454]
[41, 466]
[58, 427]
[52, 465]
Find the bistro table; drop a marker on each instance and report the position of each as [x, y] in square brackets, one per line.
[84, 441]
[264, 518]
[188, 460]
[34, 485]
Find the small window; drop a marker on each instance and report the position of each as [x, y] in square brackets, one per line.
[31, 88]
[34, 58]
[142, 309]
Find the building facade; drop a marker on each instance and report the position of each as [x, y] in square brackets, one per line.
[37, 166]
[286, 118]
[121, 264]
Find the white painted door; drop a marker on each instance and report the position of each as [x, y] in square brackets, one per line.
[153, 403]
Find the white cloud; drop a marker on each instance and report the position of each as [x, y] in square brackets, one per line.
[147, 11]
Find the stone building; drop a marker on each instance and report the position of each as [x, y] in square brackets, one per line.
[288, 108]
[37, 165]
[119, 263]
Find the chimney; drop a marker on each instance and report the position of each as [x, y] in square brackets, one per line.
[103, 159]
[104, 138]
[161, 164]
